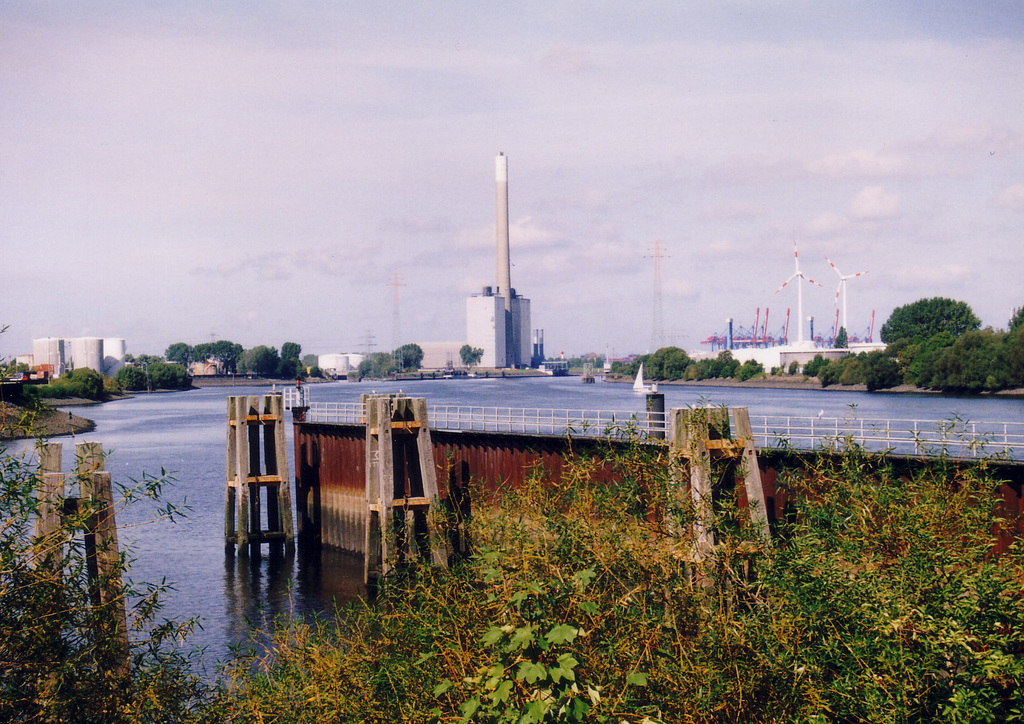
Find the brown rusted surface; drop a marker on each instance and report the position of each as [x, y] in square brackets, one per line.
[330, 467]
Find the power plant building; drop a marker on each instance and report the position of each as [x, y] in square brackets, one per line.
[498, 319]
[57, 355]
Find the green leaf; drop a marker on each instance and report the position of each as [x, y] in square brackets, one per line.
[636, 679]
[585, 577]
[469, 708]
[441, 688]
[531, 672]
[522, 638]
[533, 713]
[502, 692]
[493, 636]
[562, 633]
[424, 657]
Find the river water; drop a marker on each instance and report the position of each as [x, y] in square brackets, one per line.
[184, 434]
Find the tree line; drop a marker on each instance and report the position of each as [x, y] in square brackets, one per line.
[934, 344]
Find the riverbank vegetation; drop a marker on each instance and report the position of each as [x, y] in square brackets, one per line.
[932, 344]
[878, 599]
[63, 657]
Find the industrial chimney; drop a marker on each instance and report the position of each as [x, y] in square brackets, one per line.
[504, 279]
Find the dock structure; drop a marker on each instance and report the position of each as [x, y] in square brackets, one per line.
[95, 506]
[711, 458]
[257, 469]
[401, 486]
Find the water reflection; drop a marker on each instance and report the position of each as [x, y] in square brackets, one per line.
[264, 584]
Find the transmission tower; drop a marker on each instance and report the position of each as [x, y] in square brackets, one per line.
[396, 281]
[658, 323]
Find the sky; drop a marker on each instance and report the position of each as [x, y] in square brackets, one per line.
[276, 171]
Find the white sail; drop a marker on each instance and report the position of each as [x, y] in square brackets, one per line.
[638, 384]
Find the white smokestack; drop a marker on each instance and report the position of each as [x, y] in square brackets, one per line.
[504, 265]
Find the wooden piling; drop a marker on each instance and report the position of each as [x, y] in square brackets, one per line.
[257, 472]
[49, 546]
[700, 437]
[401, 486]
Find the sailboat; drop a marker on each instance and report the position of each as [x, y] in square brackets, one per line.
[639, 387]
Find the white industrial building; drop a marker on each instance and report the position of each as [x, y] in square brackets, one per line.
[58, 355]
[339, 365]
[498, 319]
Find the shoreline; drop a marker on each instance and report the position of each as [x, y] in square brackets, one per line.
[770, 383]
[21, 423]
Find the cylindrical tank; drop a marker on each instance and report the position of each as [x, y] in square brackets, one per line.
[49, 352]
[114, 349]
[87, 352]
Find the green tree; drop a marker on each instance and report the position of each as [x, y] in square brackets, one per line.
[409, 357]
[749, 370]
[227, 354]
[291, 363]
[812, 368]
[378, 365]
[842, 339]
[179, 352]
[168, 376]
[131, 379]
[667, 363]
[1017, 321]
[144, 360]
[880, 371]
[260, 360]
[927, 317]
[470, 356]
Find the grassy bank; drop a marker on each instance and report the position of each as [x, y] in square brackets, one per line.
[877, 600]
[23, 421]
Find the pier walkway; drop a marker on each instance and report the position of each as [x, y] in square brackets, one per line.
[954, 438]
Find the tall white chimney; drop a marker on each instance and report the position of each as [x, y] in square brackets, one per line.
[504, 265]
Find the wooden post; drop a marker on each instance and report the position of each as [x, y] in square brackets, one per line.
[255, 467]
[757, 504]
[398, 476]
[101, 550]
[50, 496]
[697, 436]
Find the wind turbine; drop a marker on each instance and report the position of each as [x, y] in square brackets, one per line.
[798, 275]
[841, 289]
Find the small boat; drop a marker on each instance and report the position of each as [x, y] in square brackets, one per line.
[639, 387]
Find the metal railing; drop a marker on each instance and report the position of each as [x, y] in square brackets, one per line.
[932, 438]
[952, 438]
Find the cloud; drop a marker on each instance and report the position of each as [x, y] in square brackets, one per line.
[416, 224]
[827, 223]
[874, 203]
[567, 59]
[933, 277]
[266, 267]
[996, 140]
[1012, 198]
[860, 163]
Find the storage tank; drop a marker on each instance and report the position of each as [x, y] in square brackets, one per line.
[49, 351]
[87, 352]
[114, 349]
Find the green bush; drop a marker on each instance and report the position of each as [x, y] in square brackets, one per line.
[60, 660]
[878, 601]
[84, 382]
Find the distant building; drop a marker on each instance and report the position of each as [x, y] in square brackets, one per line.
[339, 365]
[441, 355]
[498, 319]
[60, 355]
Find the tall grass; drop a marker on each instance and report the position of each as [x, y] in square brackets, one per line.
[878, 599]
